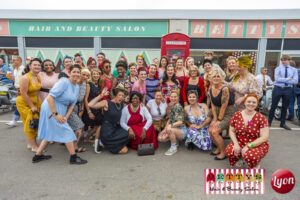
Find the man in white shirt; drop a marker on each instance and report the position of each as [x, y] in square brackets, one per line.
[17, 74]
[209, 55]
[264, 80]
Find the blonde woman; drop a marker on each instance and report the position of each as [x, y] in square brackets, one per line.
[189, 62]
[181, 74]
[222, 108]
[74, 119]
[92, 117]
[231, 71]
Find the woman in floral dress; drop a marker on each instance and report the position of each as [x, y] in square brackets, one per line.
[197, 121]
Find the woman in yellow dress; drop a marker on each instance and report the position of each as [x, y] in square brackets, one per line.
[28, 102]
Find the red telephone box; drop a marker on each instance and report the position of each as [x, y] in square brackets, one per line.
[175, 43]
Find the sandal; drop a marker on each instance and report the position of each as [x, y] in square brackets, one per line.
[80, 150]
[214, 154]
[216, 158]
[226, 137]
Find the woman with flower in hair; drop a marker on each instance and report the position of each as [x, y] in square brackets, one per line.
[106, 78]
[113, 136]
[163, 63]
[169, 82]
[123, 59]
[67, 63]
[91, 63]
[249, 132]
[140, 61]
[222, 108]
[244, 82]
[197, 120]
[140, 84]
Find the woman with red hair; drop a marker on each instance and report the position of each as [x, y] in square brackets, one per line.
[249, 132]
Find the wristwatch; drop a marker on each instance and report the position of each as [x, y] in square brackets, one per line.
[55, 113]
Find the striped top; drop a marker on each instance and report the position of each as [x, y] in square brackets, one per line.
[151, 85]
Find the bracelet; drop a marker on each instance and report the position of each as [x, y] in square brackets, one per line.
[250, 145]
[101, 96]
[81, 110]
[89, 112]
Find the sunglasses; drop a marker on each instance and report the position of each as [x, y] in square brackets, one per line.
[158, 109]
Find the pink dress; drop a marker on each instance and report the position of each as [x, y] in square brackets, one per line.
[47, 82]
[139, 88]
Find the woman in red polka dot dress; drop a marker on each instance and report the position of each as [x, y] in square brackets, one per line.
[249, 132]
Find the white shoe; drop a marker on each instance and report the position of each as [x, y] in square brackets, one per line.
[171, 151]
[12, 123]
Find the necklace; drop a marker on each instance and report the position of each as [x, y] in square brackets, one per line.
[118, 108]
[107, 76]
[133, 109]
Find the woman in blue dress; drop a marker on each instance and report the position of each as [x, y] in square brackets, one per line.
[197, 120]
[55, 111]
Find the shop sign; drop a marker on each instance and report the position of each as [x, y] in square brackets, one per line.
[88, 28]
[4, 28]
[244, 29]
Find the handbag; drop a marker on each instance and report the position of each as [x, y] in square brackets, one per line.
[34, 122]
[145, 149]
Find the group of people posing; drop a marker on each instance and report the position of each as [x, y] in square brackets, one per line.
[140, 104]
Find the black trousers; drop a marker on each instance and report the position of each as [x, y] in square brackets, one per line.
[286, 94]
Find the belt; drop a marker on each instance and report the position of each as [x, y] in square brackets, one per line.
[44, 90]
[282, 87]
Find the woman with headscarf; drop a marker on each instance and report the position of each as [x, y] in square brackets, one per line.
[244, 82]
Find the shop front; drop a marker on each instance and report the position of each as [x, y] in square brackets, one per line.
[264, 41]
[56, 39]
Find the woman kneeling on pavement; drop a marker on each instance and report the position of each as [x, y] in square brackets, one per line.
[175, 127]
[249, 132]
[137, 120]
[55, 111]
[112, 135]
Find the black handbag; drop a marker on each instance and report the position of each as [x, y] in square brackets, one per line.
[34, 122]
[145, 149]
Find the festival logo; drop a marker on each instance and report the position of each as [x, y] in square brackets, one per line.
[283, 181]
[234, 181]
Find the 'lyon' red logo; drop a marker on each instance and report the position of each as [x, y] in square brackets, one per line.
[283, 181]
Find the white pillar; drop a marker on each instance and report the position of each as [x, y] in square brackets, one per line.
[97, 45]
[21, 48]
[262, 47]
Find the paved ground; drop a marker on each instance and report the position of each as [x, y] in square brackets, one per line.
[108, 176]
